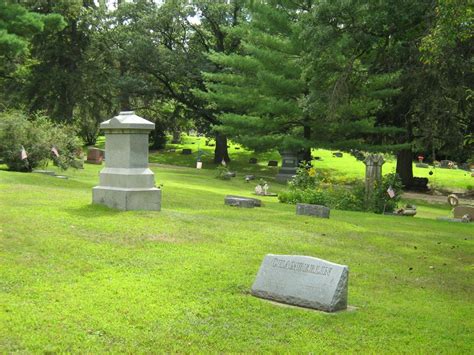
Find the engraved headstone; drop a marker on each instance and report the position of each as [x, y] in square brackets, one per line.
[312, 210]
[303, 281]
[186, 151]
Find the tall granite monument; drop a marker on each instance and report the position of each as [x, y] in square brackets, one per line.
[373, 173]
[126, 182]
[289, 165]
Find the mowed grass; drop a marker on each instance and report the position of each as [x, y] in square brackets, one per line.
[76, 277]
[345, 169]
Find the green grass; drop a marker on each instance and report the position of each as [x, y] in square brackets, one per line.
[76, 277]
[345, 169]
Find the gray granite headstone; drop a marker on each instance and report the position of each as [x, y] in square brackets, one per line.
[239, 201]
[303, 281]
[126, 182]
[312, 210]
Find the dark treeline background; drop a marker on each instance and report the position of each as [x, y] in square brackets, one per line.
[392, 75]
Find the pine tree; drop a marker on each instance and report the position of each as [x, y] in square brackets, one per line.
[260, 91]
[299, 84]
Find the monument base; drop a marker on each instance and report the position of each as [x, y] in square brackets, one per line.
[127, 199]
[285, 177]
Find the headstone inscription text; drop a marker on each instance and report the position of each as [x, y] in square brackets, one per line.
[303, 281]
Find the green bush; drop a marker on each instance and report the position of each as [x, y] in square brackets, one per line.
[222, 173]
[308, 187]
[381, 201]
[37, 136]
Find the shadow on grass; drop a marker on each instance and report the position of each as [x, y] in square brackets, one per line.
[93, 211]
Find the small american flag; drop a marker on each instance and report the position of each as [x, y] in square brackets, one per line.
[55, 152]
[391, 192]
[23, 154]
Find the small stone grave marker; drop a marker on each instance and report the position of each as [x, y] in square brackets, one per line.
[303, 281]
[95, 156]
[253, 161]
[461, 210]
[45, 172]
[272, 163]
[337, 154]
[239, 201]
[186, 151]
[312, 210]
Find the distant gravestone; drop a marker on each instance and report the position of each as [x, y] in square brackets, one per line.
[45, 172]
[239, 201]
[337, 154]
[186, 151]
[229, 174]
[303, 281]
[289, 166]
[272, 163]
[422, 165]
[95, 155]
[312, 210]
[253, 161]
[461, 210]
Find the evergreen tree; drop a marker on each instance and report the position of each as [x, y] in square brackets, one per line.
[261, 90]
[300, 83]
[18, 27]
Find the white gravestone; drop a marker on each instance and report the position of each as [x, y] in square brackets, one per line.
[303, 281]
[126, 182]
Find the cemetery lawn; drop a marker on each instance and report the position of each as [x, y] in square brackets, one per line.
[343, 170]
[75, 277]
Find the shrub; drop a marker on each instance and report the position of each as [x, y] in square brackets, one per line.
[223, 173]
[308, 187]
[381, 201]
[37, 136]
[305, 178]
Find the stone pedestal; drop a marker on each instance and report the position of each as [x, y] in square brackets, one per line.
[126, 183]
[373, 173]
[289, 165]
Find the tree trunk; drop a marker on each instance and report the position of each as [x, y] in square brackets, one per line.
[220, 152]
[405, 166]
[176, 136]
[306, 156]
